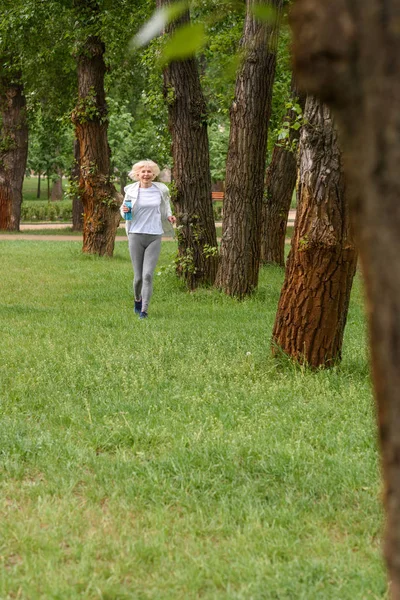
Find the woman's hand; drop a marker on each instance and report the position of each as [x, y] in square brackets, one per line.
[125, 209]
[172, 219]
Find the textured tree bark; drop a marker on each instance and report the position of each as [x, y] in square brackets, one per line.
[314, 300]
[13, 150]
[99, 197]
[348, 53]
[197, 241]
[245, 169]
[280, 183]
[56, 190]
[77, 205]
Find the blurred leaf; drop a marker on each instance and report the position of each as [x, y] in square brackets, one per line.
[157, 22]
[184, 43]
[176, 9]
[263, 12]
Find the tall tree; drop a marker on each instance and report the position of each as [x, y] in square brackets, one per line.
[245, 171]
[280, 183]
[99, 197]
[77, 205]
[314, 300]
[197, 241]
[13, 143]
[349, 55]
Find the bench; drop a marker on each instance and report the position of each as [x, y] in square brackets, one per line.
[217, 196]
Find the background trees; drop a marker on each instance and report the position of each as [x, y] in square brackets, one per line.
[197, 242]
[280, 182]
[250, 111]
[99, 197]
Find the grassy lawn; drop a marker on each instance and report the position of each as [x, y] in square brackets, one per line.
[174, 458]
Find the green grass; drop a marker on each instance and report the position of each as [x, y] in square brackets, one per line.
[174, 458]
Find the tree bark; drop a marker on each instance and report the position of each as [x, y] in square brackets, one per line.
[349, 55]
[99, 197]
[245, 169]
[314, 301]
[13, 150]
[280, 183]
[56, 190]
[77, 206]
[197, 241]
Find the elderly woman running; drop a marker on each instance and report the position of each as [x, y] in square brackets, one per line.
[147, 210]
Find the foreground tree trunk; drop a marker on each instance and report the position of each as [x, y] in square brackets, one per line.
[314, 301]
[245, 168]
[13, 150]
[280, 184]
[349, 55]
[197, 240]
[99, 197]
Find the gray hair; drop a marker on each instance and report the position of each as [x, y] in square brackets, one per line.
[134, 173]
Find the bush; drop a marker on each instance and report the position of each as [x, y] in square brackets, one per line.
[44, 211]
[217, 208]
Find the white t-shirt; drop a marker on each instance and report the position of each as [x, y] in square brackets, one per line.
[146, 217]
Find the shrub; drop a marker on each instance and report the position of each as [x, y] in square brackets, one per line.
[44, 211]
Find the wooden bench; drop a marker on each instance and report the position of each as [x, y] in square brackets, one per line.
[217, 196]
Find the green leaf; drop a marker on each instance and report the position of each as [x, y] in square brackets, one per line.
[184, 43]
[263, 12]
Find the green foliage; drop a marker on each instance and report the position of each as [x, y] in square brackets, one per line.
[46, 211]
[210, 251]
[174, 458]
[294, 121]
[185, 262]
[218, 139]
[86, 108]
[134, 137]
[50, 144]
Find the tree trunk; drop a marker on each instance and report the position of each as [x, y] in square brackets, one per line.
[77, 206]
[281, 181]
[13, 150]
[99, 197]
[349, 55]
[197, 241]
[314, 301]
[38, 186]
[56, 190]
[245, 169]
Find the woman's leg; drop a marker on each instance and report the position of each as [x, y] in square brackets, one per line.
[151, 255]
[136, 250]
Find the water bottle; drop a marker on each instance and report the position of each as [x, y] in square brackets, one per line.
[128, 215]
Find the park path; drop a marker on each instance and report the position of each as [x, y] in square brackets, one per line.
[77, 238]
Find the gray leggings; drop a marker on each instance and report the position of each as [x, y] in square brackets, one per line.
[144, 249]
